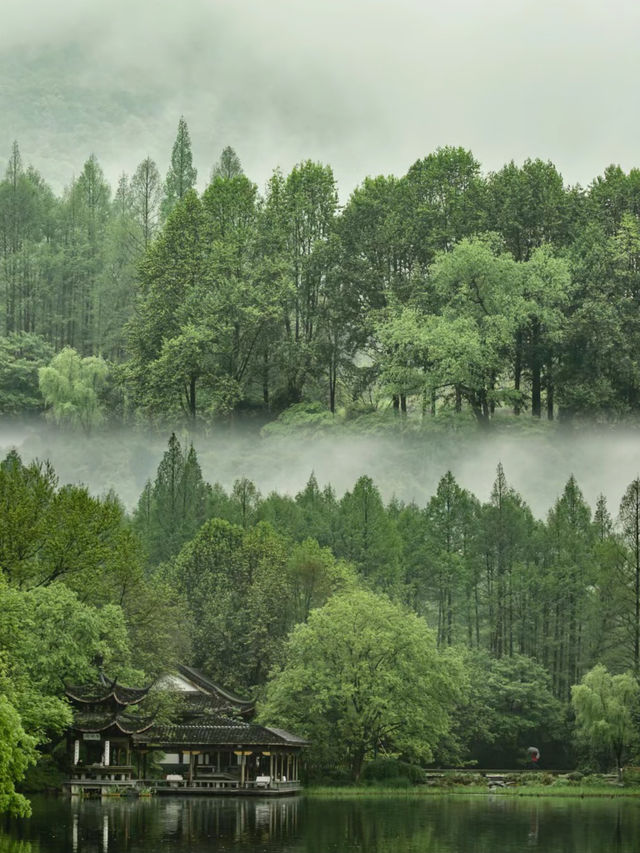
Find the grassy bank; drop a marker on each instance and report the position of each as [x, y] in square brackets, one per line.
[421, 791]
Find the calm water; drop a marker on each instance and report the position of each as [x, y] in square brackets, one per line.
[431, 825]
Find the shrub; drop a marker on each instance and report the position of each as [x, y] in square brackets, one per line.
[385, 769]
[631, 776]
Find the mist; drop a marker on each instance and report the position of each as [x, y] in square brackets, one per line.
[364, 85]
[604, 461]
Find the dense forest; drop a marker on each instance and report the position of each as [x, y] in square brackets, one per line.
[442, 291]
[452, 633]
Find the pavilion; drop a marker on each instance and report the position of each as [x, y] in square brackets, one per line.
[214, 745]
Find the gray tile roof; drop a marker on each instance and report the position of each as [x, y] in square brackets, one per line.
[223, 733]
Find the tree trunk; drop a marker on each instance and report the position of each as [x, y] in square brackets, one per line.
[517, 372]
[536, 383]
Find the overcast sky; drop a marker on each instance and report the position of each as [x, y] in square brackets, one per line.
[364, 85]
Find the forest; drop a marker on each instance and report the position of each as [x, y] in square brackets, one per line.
[445, 293]
[450, 634]
[453, 632]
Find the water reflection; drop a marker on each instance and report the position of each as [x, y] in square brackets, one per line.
[295, 825]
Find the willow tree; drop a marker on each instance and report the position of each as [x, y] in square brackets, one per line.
[605, 706]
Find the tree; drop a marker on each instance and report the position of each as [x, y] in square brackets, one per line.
[314, 575]
[570, 556]
[49, 534]
[146, 192]
[367, 537]
[173, 508]
[17, 752]
[630, 521]
[362, 675]
[505, 538]
[528, 205]
[547, 288]
[71, 386]
[182, 175]
[236, 587]
[508, 704]
[161, 329]
[605, 706]
[448, 531]
[446, 192]
[228, 166]
[86, 216]
[304, 208]
[22, 354]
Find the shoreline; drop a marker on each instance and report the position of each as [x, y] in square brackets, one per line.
[577, 792]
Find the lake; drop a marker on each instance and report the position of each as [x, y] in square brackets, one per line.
[430, 824]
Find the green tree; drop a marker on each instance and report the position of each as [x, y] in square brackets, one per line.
[507, 706]
[505, 542]
[446, 192]
[528, 206]
[547, 289]
[367, 536]
[448, 528]
[71, 386]
[570, 563]
[228, 166]
[304, 209]
[22, 354]
[362, 675]
[314, 576]
[171, 510]
[146, 192]
[235, 584]
[630, 522]
[605, 706]
[182, 175]
[17, 752]
[467, 345]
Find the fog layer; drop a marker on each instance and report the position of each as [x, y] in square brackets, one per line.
[537, 465]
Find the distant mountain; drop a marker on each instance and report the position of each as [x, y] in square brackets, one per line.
[61, 107]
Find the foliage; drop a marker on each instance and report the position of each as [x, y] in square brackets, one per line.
[17, 752]
[71, 386]
[22, 354]
[361, 674]
[606, 706]
[391, 769]
[508, 706]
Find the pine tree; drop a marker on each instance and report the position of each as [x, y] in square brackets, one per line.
[182, 175]
[170, 511]
[228, 166]
[146, 191]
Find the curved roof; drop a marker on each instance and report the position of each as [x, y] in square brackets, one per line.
[205, 684]
[91, 694]
[128, 724]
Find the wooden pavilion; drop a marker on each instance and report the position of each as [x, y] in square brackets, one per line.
[214, 745]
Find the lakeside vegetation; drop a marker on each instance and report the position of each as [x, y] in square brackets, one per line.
[459, 632]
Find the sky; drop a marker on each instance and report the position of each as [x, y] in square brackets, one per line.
[363, 85]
